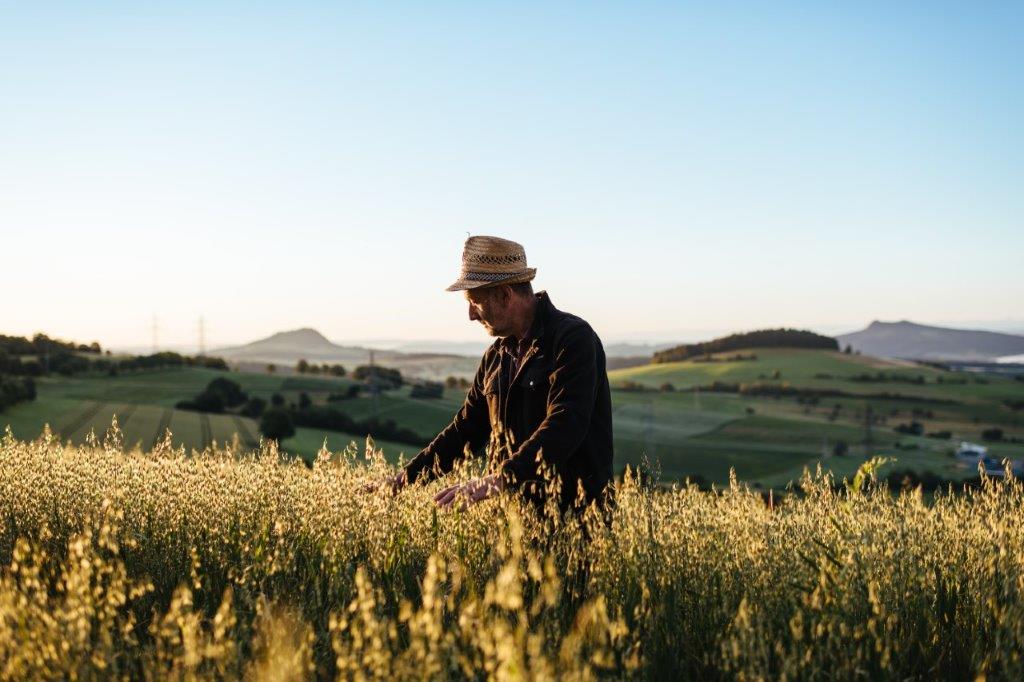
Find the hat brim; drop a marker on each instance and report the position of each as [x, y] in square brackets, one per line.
[463, 284]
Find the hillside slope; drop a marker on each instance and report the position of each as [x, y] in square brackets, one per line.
[909, 340]
[287, 348]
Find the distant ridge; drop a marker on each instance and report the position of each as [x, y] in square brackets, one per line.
[286, 348]
[305, 343]
[905, 339]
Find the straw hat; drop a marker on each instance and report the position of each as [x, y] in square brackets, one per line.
[489, 261]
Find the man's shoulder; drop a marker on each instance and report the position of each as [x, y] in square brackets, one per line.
[566, 328]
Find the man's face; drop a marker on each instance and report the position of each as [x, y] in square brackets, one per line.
[492, 308]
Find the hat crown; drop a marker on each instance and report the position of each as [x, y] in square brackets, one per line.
[489, 261]
[493, 254]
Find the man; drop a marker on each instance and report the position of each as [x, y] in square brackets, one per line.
[541, 391]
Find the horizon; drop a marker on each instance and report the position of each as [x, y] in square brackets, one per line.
[1002, 327]
[671, 171]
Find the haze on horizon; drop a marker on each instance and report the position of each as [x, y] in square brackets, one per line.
[672, 171]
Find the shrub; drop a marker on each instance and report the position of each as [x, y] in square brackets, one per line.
[992, 434]
[427, 389]
[914, 428]
[276, 424]
[254, 407]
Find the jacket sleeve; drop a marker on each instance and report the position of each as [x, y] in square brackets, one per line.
[570, 405]
[471, 426]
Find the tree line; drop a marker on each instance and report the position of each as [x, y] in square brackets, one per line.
[764, 338]
[43, 356]
[303, 366]
[279, 420]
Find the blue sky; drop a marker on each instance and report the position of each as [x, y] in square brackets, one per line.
[673, 171]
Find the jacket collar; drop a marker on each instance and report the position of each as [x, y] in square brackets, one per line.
[540, 319]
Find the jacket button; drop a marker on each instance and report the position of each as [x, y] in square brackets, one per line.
[531, 382]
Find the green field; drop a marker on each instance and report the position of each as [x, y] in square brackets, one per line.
[143, 403]
[678, 433]
[771, 440]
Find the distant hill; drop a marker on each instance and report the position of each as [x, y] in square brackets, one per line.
[920, 342]
[763, 338]
[628, 349]
[631, 350]
[287, 348]
[291, 346]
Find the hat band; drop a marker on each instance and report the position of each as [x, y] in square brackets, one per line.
[490, 276]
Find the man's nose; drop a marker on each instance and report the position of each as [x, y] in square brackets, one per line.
[472, 313]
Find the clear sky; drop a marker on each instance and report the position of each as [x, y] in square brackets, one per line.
[672, 170]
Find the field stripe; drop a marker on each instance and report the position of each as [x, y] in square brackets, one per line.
[81, 420]
[205, 430]
[161, 428]
[123, 419]
[244, 433]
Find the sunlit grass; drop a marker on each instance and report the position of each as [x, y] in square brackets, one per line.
[225, 565]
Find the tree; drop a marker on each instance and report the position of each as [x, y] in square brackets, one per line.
[271, 368]
[304, 400]
[667, 387]
[254, 408]
[302, 367]
[276, 424]
[230, 392]
[383, 377]
[277, 400]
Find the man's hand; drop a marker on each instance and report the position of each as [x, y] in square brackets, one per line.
[391, 484]
[470, 492]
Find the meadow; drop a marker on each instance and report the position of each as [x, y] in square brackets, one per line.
[686, 432]
[143, 403]
[120, 564]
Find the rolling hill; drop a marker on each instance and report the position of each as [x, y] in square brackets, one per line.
[906, 339]
[287, 348]
[686, 418]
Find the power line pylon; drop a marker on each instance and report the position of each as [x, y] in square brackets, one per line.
[202, 337]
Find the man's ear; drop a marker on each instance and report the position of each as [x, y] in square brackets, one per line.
[505, 292]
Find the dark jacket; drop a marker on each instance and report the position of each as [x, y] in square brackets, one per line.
[557, 405]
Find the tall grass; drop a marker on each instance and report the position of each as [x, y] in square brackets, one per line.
[225, 564]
